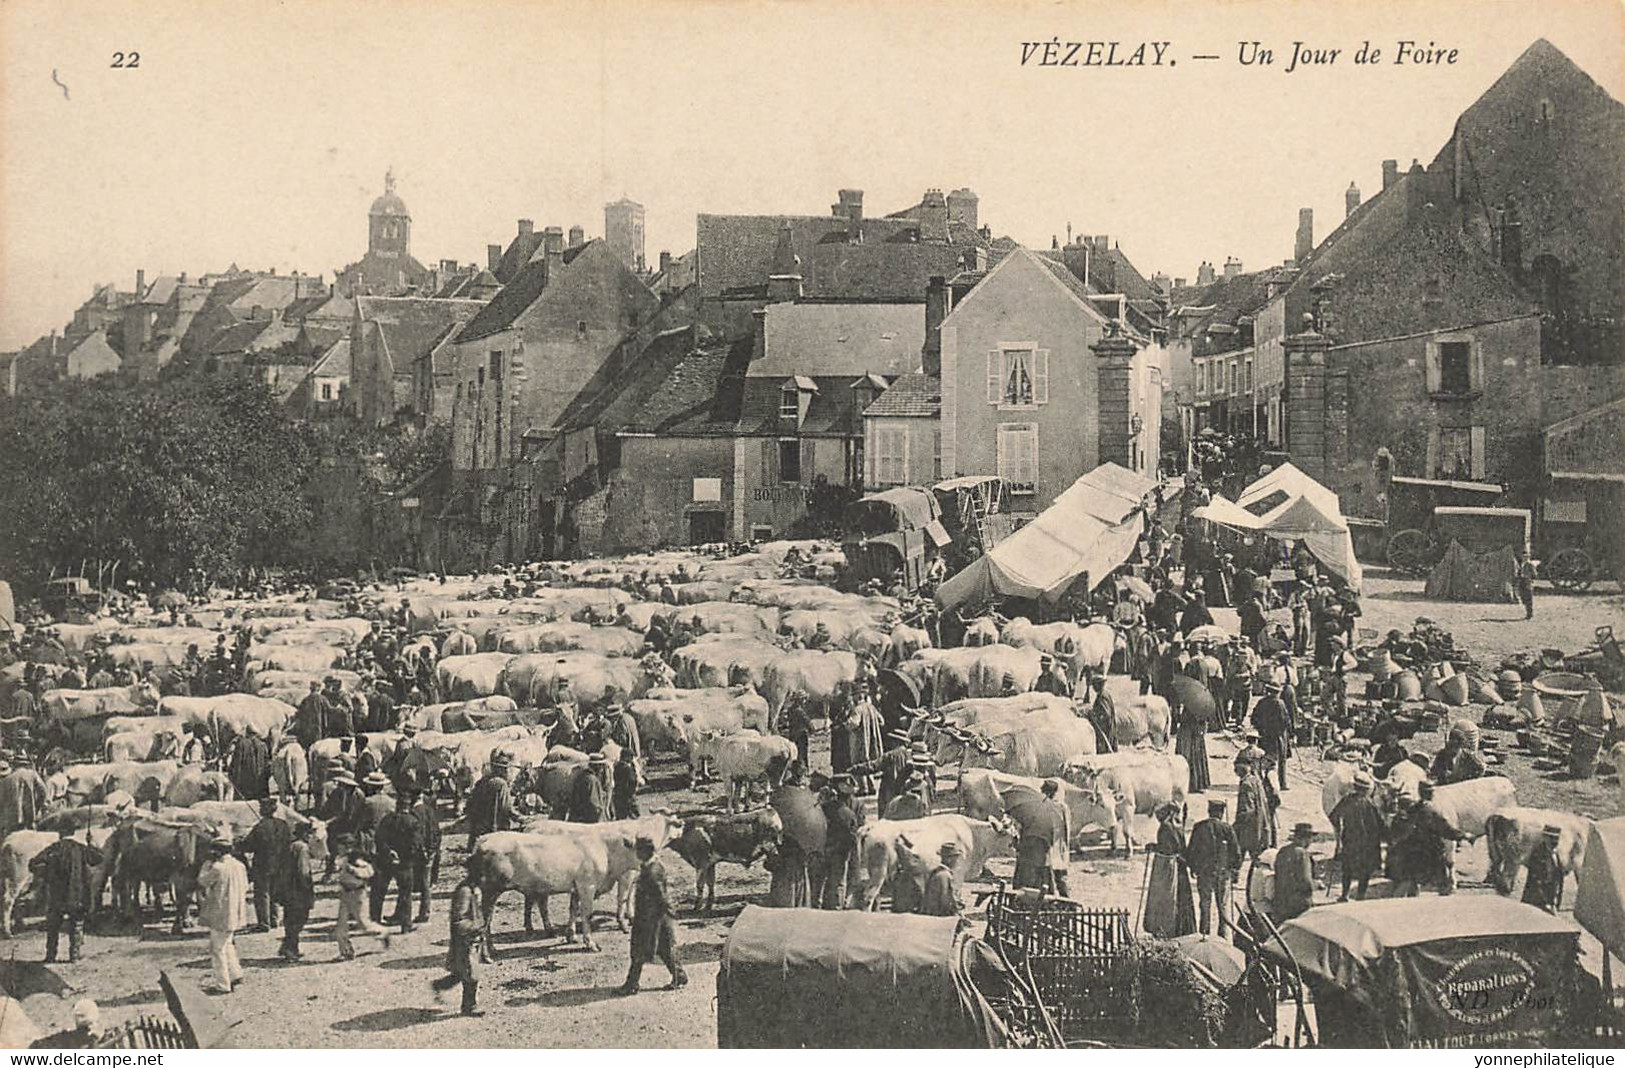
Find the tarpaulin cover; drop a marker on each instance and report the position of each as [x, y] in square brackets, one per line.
[1307, 512]
[1465, 575]
[902, 508]
[794, 978]
[1467, 970]
[1092, 527]
[1599, 907]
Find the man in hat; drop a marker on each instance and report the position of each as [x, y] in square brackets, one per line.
[467, 943]
[223, 908]
[268, 842]
[310, 721]
[401, 853]
[912, 803]
[1431, 846]
[342, 809]
[1294, 875]
[366, 761]
[298, 892]
[22, 796]
[1527, 571]
[355, 875]
[1249, 753]
[1196, 614]
[376, 805]
[654, 932]
[1103, 713]
[62, 879]
[1040, 826]
[1360, 830]
[490, 804]
[1543, 887]
[250, 766]
[427, 867]
[1253, 815]
[843, 817]
[589, 797]
[921, 764]
[1253, 619]
[1274, 726]
[624, 787]
[892, 767]
[340, 717]
[1214, 855]
[941, 896]
[1051, 680]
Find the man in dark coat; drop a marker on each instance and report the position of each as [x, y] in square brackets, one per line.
[1102, 714]
[250, 767]
[1050, 680]
[1294, 876]
[1430, 847]
[941, 895]
[1195, 614]
[466, 949]
[490, 804]
[342, 809]
[310, 721]
[892, 768]
[427, 868]
[62, 878]
[1214, 856]
[589, 797]
[1543, 887]
[654, 933]
[340, 716]
[1252, 823]
[268, 842]
[400, 854]
[298, 892]
[380, 708]
[1274, 727]
[1041, 827]
[1253, 620]
[843, 817]
[1359, 833]
[624, 787]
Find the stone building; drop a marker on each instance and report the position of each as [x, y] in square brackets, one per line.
[388, 267]
[623, 232]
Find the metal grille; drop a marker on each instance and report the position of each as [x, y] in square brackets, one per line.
[1079, 958]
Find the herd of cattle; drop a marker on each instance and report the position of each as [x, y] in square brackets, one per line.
[711, 702]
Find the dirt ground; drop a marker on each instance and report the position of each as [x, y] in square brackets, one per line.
[543, 992]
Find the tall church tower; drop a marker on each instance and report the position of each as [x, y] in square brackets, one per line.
[389, 224]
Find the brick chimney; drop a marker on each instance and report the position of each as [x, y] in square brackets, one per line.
[578, 237]
[1305, 434]
[1232, 267]
[1204, 274]
[140, 283]
[493, 257]
[936, 310]
[1305, 241]
[1351, 199]
[553, 248]
[963, 208]
[1390, 173]
[784, 283]
[527, 227]
[934, 217]
[849, 206]
[665, 261]
[1113, 397]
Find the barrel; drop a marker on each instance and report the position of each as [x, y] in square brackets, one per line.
[1583, 751]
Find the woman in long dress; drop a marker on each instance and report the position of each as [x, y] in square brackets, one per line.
[1192, 708]
[1170, 910]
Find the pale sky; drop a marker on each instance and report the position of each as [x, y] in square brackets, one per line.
[259, 133]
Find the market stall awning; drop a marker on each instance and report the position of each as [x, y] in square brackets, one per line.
[1599, 906]
[1092, 527]
[1287, 504]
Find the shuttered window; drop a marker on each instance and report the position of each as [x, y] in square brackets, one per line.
[1018, 456]
[891, 456]
[1018, 377]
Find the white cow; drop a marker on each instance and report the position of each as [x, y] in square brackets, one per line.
[912, 848]
[1514, 831]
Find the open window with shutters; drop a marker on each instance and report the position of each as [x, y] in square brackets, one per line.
[1455, 368]
[1018, 376]
[1018, 456]
[1457, 452]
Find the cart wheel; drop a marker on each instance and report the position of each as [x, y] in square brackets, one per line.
[1411, 551]
[1571, 569]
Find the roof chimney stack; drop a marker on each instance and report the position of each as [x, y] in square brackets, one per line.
[1305, 242]
[1390, 173]
[849, 204]
[1351, 200]
[1232, 267]
[936, 310]
[527, 227]
[493, 257]
[578, 237]
[934, 217]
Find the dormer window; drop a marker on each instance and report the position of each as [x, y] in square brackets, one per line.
[795, 397]
[865, 390]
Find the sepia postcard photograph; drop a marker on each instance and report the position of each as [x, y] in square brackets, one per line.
[718, 524]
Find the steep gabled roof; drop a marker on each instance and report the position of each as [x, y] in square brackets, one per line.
[514, 298]
[841, 339]
[697, 397]
[410, 327]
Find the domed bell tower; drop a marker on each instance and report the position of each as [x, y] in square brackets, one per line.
[389, 224]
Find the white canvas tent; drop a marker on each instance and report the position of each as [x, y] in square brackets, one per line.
[1599, 906]
[1306, 511]
[1092, 527]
